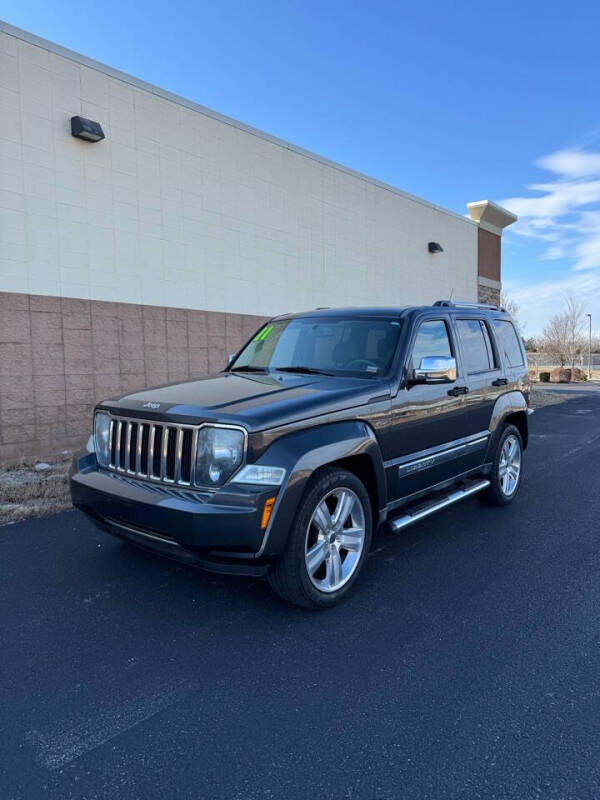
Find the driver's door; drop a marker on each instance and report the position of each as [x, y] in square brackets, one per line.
[427, 419]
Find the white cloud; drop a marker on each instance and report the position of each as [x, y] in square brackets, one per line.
[571, 163]
[564, 212]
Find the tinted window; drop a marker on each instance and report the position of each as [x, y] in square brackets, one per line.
[508, 340]
[488, 343]
[476, 345]
[432, 340]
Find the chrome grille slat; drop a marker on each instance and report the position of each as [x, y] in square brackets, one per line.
[151, 451]
[163, 457]
[178, 454]
[118, 446]
[111, 463]
[138, 449]
[128, 449]
[194, 450]
[173, 444]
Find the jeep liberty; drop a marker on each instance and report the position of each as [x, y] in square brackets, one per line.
[324, 427]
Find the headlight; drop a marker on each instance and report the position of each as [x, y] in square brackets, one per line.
[258, 474]
[220, 452]
[101, 436]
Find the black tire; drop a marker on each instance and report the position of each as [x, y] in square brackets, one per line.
[495, 494]
[289, 576]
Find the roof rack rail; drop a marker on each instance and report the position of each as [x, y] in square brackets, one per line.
[460, 304]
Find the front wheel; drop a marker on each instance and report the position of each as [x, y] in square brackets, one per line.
[507, 469]
[328, 543]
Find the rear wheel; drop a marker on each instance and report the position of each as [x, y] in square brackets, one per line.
[328, 544]
[507, 469]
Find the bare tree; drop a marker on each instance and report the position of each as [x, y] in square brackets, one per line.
[514, 309]
[563, 336]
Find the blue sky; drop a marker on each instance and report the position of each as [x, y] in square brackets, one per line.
[451, 101]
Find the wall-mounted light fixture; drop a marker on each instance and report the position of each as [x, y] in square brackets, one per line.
[435, 247]
[86, 129]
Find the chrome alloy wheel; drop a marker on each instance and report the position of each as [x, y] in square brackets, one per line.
[510, 465]
[335, 539]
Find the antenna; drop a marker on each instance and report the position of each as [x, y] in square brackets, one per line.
[451, 293]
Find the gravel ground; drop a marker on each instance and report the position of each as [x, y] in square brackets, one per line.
[29, 492]
[546, 397]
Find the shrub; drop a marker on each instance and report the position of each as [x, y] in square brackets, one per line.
[565, 376]
[545, 377]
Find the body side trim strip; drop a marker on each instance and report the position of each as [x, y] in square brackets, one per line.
[448, 447]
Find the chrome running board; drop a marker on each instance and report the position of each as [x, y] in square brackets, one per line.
[423, 511]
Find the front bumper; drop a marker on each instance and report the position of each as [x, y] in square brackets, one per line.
[220, 531]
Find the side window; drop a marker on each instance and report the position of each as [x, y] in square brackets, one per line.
[432, 340]
[476, 345]
[508, 340]
[488, 343]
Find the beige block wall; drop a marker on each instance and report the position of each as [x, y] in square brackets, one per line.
[60, 356]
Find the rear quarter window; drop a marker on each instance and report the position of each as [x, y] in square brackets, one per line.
[508, 341]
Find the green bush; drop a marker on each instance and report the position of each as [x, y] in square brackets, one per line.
[544, 377]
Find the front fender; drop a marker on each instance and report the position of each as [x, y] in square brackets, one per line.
[304, 452]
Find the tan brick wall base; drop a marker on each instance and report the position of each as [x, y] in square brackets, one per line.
[488, 294]
[59, 356]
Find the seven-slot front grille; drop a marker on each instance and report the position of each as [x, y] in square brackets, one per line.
[155, 450]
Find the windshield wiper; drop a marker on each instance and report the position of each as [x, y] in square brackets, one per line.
[303, 370]
[249, 368]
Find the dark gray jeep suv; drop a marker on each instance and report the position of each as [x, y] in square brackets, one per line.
[325, 426]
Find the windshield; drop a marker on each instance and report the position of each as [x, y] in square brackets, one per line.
[354, 346]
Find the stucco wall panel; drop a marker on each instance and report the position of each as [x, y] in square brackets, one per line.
[177, 207]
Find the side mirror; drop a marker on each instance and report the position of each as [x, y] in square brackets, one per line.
[231, 357]
[436, 369]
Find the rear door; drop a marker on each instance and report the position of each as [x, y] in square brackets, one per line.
[512, 352]
[483, 371]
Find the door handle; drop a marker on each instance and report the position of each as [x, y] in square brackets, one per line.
[458, 390]
[500, 382]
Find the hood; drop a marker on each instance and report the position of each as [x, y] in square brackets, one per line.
[256, 401]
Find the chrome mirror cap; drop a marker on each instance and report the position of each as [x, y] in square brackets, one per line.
[436, 369]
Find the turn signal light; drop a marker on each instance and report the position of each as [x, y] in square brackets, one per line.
[266, 516]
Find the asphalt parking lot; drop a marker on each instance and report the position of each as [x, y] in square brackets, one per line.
[465, 665]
